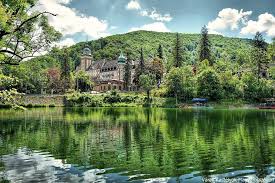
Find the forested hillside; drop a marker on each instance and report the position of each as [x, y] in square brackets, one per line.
[44, 73]
[234, 49]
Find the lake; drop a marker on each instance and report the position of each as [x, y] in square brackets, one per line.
[136, 145]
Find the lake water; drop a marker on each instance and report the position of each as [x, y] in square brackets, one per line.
[137, 145]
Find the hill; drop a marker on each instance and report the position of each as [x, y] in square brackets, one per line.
[109, 48]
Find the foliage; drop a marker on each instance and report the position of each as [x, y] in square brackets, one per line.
[160, 52]
[231, 84]
[83, 81]
[10, 98]
[259, 55]
[127, 72]
[181, 83]
[178, 51]
[205, 46]
[66, 71]
[140, 69]
[23, 31]
[147, 82]
[112, 98]
[157, 68]
[54, 80]
[209, 85]
[7, 82]
[84, 99]
[255, 89]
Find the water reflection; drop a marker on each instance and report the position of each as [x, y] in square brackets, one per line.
[136, 144]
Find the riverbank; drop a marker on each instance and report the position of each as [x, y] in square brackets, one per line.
[117, 100]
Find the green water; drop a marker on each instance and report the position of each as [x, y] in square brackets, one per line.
[136, 145]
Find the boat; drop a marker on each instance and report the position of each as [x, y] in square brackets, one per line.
[269, 104]
[200, 103]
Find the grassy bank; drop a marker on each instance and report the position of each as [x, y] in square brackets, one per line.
[114, 99]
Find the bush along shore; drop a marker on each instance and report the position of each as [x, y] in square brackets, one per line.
[114, 99]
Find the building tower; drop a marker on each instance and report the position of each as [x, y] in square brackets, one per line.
[86, 59]
[121, 64]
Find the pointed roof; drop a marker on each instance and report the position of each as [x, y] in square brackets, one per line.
[121, 59]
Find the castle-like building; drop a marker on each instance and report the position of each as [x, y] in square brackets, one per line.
[106, 74]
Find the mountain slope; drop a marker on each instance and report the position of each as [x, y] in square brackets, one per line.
[109, 47]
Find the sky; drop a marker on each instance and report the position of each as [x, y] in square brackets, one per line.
[81, 20]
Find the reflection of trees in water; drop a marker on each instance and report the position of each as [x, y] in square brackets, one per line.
[158, 142]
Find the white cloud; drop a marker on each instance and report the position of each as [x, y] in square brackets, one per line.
[265, 23]
[133, 5]
[156, 26]
[69, 22]
[228, 18]
[154, 15]
[66, 42]
[64, 1]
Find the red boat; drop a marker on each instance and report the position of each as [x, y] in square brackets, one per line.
[270, 104]
[267, 106]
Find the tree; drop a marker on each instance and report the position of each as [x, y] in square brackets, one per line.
[205, 46]
[231, 85]
[54, 80]
[209, 85]
[255, 89]
[157, 68]
[174, 82]
[160, 52]
[127, 72]
[259, 56]
[259, 42]
[66, 71]
[140, 69]
[271, 51]
[147, 82]
[23, 32]
[178, 52]
[6, 82]
[8, 95]
[83, 81]
[112, 98]
[181, 83]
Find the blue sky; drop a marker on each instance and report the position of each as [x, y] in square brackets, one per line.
[79, 19]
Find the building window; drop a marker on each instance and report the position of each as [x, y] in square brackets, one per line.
[114, 87]
[109, 87]
[104, 88]
[119, 87]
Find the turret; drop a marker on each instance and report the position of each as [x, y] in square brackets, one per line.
[121, 64]
[86, 59]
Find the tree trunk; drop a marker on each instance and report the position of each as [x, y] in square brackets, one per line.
[176, 99]
[148, 96]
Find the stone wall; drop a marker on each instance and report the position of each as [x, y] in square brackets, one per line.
[43, 100]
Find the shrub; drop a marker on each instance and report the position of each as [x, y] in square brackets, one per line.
[112, 98]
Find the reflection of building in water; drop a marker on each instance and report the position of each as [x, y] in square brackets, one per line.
[107, 74]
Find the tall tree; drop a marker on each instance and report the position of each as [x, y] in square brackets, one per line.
[23, 32]
[140, 69]
[53, 79]
[271, 51]
[160, 52]
[127, 72]
[66, 70]
[147, 82]
[178, 52]
[157, 68]
[205, 46]
[259, 55]
[259, 42]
